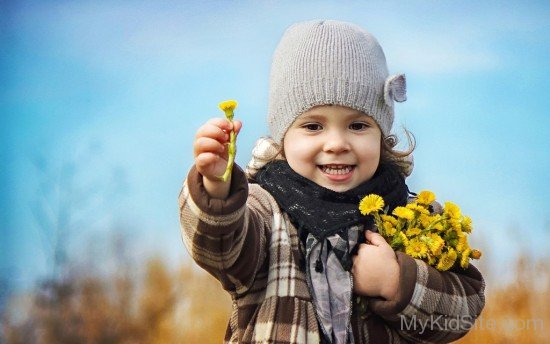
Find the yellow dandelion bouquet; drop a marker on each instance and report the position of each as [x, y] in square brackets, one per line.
[440, 240]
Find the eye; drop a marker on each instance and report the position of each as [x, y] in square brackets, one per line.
[358, 126]
[312, 126]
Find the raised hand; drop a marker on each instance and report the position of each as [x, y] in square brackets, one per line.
[210, 149]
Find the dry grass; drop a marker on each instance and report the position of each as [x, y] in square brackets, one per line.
[165, 307]
[189, 306]
[518, 312]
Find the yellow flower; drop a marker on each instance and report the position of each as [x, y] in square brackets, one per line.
[228, 105]
[389, 218]
[462, 244]
[446, 260]
[475, 254]
[404, 238]
[435, 244]
[371, 204]
[467, 224]
[440, 240]
[465, 258]
[425, 197]
[389, 228]
[403, 213]
[437, 223]
[425, 220]
[420, 209]
[412, 231]
[455, 224]
[399, 240]
[416, 249]
[452, 210]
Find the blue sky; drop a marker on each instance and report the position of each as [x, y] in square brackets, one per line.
[105, 98]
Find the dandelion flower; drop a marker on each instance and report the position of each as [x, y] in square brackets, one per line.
[413, 231]
[462, 244]
[452, 210]
[425, 197]
[425, 220]
[439, 239]
[399, 240]
[403, 213]
[467, 224]
[435, 244]
[403, 239]
[389, 228]
[418, 208]
[475, 254]
[389, 218]
[371, 204]
[416, 249]
[465, 258]
[457, 226]
[438, 226]
[446, 260]
[228, 106]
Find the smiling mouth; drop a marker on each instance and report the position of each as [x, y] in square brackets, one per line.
[333, 169]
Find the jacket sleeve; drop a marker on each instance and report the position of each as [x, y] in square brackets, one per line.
[432, 306]
[225, 237]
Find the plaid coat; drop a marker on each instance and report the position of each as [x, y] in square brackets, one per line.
[251, 247]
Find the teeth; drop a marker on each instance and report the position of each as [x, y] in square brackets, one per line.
[336, 169]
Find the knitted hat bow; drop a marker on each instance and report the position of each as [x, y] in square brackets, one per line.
[395, 89]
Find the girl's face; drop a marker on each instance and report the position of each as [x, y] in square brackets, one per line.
[334, 146]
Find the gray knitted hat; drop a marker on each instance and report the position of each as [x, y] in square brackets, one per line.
[330, 62]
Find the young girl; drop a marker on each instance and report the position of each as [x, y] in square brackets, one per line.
[286, 240]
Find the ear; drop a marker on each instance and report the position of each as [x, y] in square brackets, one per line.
[395, 89]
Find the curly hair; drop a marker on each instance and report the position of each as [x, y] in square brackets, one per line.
[402, 159]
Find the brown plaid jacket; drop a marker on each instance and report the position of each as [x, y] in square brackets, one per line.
[251, 247]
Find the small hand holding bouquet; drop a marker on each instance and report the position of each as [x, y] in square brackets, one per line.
[440, 240]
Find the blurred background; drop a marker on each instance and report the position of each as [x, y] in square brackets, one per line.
[100, 102]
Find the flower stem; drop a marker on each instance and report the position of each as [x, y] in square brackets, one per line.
[379, 224]
[227, 107]
[232, 149]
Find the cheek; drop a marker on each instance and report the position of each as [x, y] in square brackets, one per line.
[294, 147]
[296, 156]
[288, 149]
[371, 150]
[299, 155]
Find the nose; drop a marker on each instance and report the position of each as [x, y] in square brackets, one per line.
[336, 142]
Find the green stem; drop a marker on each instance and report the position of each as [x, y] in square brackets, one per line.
[379, 224]
[231, 157]
[232, 149]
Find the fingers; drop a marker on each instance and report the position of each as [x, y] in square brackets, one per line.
[205, 160]
[210, 147]
[215, 128]
[206, 144]
[375, 238]
[213, 135]
[237, 125]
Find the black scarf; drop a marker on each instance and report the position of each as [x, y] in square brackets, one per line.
[322, 212]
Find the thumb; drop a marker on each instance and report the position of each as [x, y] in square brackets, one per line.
[375, 238]
[237, 125]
